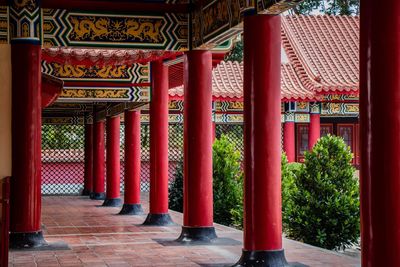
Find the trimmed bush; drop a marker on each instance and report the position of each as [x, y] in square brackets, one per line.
[227, 181]
[176, 190]
[324, 206]
[290, 172]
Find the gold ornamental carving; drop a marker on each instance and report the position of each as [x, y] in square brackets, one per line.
[116, 29]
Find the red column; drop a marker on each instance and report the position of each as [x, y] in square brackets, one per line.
[214, 131]
[198, 138]
[262, 136]
[99, 161]
[25, 185]
[113, 163]
[380, 126]
[25, 224]
[158, 214]
[88, 179]
[132, 204]
[289, 137]
[314, 130]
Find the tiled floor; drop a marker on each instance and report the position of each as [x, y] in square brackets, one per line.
[98, 237]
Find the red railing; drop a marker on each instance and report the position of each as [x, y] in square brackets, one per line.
[4, 220]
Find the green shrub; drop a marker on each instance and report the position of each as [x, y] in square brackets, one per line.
[324, 209]
[227, 181]
[175, 200]
[290, 172]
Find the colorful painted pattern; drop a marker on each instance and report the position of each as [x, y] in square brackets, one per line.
[349, 98]
[25, 21]
[175, 105]
[275, 7]
[219, 20]
[172, 118]
[164, 32]
[225, 106]
[63, 120]
[228, 118]
[315, 108]
[302, 107]
[215, 22]
[302, 118]
[340, 109]
[80, 73]
[289, 117]
[3, 25]
[120, 94]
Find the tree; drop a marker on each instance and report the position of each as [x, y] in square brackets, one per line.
[329, 7]
[236, 54]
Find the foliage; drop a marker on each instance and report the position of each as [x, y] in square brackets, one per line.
[62, 137]
[176, 189]
[324, 205]
[236, 54]
[290, 172]
[329, 7]
[227, 180]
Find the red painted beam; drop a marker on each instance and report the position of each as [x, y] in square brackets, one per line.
[115, 6]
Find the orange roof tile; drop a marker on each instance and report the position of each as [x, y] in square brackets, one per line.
[323, 56]
[227, 83]
[324, 51]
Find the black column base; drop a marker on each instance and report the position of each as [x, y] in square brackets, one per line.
[162, 219]
[197, 235]
[263, 258]
[97, 196]
[86, 192]
[112, 202]
[27, 240]
[131, 209]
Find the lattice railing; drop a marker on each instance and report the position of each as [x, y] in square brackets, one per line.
[63, 154]
[62, 159]
[234, 133]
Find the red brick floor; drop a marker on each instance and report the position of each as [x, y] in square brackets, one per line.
[98, 237]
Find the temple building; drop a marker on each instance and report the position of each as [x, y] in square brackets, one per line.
[319, 84]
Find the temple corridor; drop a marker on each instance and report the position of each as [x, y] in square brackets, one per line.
[97, 237]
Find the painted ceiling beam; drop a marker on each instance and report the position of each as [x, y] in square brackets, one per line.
[115, 6]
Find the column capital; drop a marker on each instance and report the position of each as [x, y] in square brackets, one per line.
[289, 116]
[25, 21]
[315, 108]
[89, 118]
